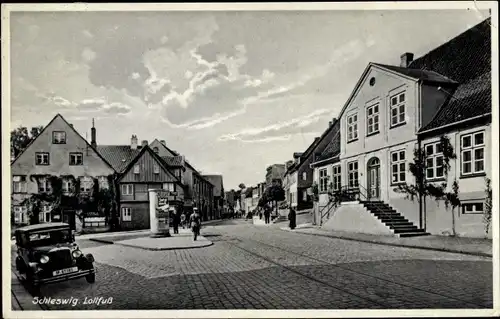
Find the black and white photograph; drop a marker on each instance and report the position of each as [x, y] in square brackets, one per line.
[250, 160]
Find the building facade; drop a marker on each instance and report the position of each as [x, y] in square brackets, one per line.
[218, 194]
[274, 174]
[58, 155]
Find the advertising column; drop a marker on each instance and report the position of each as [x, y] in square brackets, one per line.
[159, 213]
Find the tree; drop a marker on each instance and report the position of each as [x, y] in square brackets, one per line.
[20, 138]
[274, 194]
[242, 186]
[423, 188]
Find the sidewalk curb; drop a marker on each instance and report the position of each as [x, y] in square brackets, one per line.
[395, 244]
[98, 240]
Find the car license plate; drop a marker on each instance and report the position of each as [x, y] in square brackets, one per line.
[65, 271]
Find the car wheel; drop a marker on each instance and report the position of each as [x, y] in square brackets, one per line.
[90, 278]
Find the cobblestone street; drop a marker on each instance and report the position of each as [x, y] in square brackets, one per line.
[251, 267]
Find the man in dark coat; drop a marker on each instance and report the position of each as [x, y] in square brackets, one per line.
[267, 214]
[292, 217]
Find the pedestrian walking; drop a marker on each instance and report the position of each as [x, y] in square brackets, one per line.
[292, 217]
[195, 222]
[267, 215]
[175, 220]
[183, 220]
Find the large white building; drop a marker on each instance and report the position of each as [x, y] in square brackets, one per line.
[395, 109]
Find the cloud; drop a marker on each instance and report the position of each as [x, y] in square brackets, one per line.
[102, 105]
[116, 108]
[87, 34]
[300, 125]
[88, 55]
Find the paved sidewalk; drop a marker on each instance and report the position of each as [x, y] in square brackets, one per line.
[21, 298]
[462, 245]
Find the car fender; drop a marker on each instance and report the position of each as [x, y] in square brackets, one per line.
[90, 258]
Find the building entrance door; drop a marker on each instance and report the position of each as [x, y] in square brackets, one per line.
[374, 178]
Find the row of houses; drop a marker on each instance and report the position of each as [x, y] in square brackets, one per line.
[393, 110]
[60, 176]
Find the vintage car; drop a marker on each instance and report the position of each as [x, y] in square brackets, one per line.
[47, 253]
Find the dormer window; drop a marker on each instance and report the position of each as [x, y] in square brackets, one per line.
[58, 137]
[156, 150]
[398, 109]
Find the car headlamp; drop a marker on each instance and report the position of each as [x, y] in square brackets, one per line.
[77, 253]
[44, 259]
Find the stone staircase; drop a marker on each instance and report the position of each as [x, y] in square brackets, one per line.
[392, 219]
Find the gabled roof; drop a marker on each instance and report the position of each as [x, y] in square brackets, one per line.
[417, 74]
[173, 161]
[332, 149]
[467, 59]
[71, 128]
[119, 156]
[215, 180]
[176, 154]
[143, 150]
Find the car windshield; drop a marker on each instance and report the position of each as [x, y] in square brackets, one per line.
[51, 237]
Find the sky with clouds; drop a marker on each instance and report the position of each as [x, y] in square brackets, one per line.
[232, 91]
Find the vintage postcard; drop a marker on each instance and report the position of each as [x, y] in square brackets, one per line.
[250, 160]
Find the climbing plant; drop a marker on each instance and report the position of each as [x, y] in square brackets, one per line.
[487, 206]
[423, 188]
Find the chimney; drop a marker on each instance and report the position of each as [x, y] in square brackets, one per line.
[93, 142]
[144, 143]
[406, 59]
[163, 142]
[133, 142]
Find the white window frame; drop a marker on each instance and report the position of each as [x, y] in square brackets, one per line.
[42, 158]
[169, 187]
[19, 184]
[156, 168]
[432, 161]
[68, 186]
[337, 177]
[20, 214]
[399, 115]
[473, 207]
[323, 180]
[304, 195]
[73, 159]
[58, 137]
[86, 184]
[103, 182]
[353, 174]
[352, 127]
[45, 215]
[44, 186]
[472, 148]
[400, 170]
[372, 113]
[127, 189]
[126, 214]
[137, 169]
[304, 176]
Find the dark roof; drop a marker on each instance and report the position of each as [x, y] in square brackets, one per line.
[215, 180]
[463, 58]
[119, 156]
[424, 75]
[466, 59]
[332, 149]
[470, 100]
[173, 161]
[44, 226]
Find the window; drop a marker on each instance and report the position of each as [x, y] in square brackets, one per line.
[372, 119]
[44, 186]
[156, 168]
[397, 109]
[304, 195]
[323, 180]
[68, 186]
[169, 187]
[352, 127]
[137, 169]
[42, 158]
[19, 184]
[127, 189]
[336, 178]
[45, 213]
[398, 167]
[472, 153]
[156, 150]
[126, 214]
[58, 137]
[103, 182]
[434, 167]
[20, 214]
[86, 184]
[352, 171]
[304, 176]
[75, 158]
[472, 208]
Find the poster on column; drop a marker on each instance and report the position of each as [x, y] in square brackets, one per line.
[162, 209]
